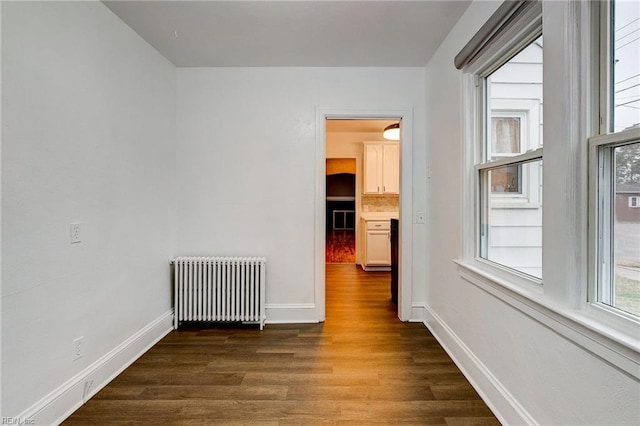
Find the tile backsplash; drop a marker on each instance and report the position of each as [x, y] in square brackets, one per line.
[380, 203]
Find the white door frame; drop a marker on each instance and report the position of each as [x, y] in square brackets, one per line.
[406, 208]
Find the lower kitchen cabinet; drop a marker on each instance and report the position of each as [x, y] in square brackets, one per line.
[376, 244]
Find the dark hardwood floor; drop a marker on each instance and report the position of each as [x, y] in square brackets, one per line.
[362, 366]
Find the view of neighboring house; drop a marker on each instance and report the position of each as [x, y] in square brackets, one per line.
[627, 252]
[628, 203]
[514, 218]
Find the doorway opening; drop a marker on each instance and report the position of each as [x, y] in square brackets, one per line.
[362, 196]
[329, 124]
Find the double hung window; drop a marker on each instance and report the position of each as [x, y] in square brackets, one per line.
[591, 228]
[509, 153]
[615, 164]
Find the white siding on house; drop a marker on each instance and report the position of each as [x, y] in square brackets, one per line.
[515, 233]
[526, 237]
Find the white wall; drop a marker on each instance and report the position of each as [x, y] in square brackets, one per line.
[526, 370]
[246, 162]
[88, 130]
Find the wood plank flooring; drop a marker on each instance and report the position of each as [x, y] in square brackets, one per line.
[361, 367]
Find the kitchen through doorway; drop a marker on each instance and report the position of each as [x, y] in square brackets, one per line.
[362, 185]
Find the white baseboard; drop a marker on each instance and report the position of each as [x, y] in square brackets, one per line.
[291, 313]
[418, 314]
[505, 407]
[54, 408]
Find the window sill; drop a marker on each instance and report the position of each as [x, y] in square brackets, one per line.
[619, 347]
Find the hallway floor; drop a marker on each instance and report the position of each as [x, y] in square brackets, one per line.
[361, 367]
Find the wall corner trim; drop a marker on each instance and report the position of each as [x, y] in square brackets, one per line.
[505, 407]
[55, 407]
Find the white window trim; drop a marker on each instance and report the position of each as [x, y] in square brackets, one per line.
[633, 201]
[562, 303]
[472, 164]
[475, 148]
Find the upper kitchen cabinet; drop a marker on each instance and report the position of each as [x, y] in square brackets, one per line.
[381, 168]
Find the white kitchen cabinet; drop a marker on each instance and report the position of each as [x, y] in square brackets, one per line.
[372, 168]
[381, 168]
[376, 245]
[390, 168]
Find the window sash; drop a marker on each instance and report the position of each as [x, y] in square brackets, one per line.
[507, 161]
[484, 112]
[601, 237]
[505, 106]
[487, 201]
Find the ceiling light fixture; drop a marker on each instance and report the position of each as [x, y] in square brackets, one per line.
[392, 132]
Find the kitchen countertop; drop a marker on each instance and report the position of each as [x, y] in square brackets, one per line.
[380, 215]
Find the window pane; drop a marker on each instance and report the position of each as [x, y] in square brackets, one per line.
[624, 289]
[625, 65]
[511, 233]
[514, 104]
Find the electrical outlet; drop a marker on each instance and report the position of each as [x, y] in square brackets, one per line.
[75, 233]
[78, 348]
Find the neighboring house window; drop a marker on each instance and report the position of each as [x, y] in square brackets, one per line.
[615, 163]
[510, 168]
[506, 141]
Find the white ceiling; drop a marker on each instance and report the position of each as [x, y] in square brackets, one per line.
[292, 33]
